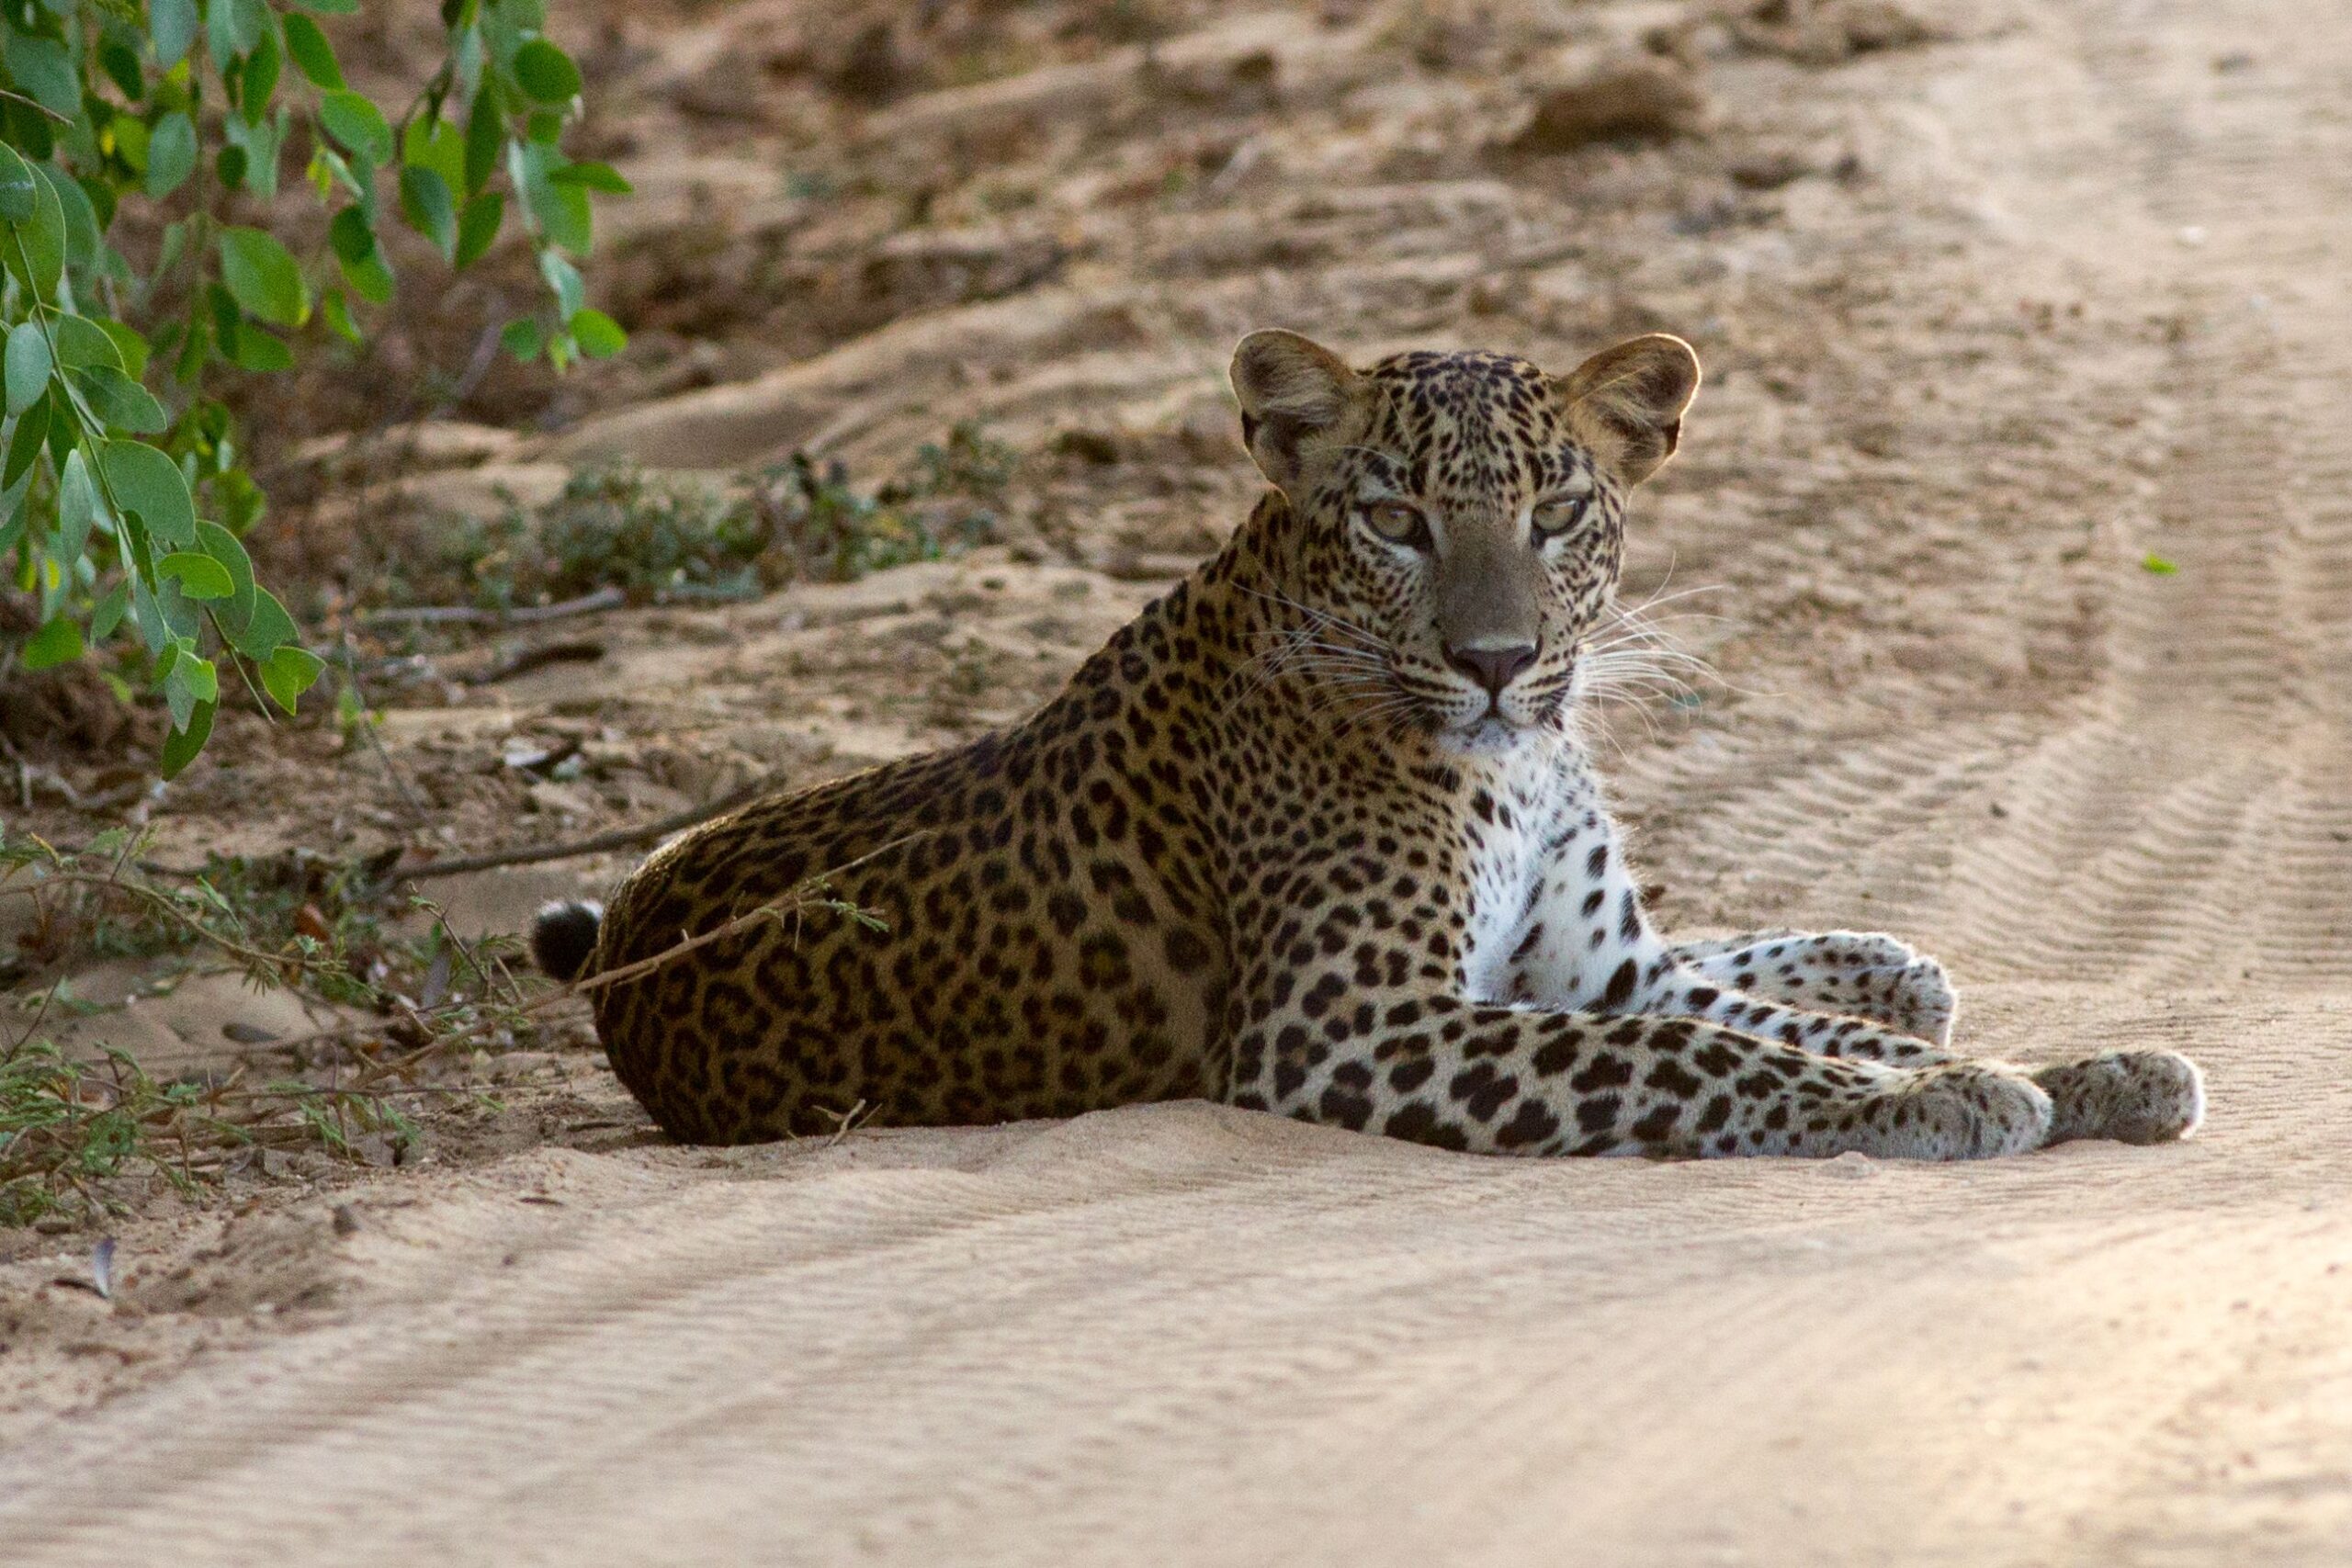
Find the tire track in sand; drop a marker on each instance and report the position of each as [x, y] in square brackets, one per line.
[2188, 819]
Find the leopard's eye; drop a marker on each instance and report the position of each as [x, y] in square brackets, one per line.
[1399, 522]
[1556, 516]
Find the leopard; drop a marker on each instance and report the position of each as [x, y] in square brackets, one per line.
[1319, 833]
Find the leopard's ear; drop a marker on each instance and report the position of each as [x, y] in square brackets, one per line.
[1295, 397]
[1625, 404]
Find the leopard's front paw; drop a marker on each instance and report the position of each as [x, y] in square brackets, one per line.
[1960, 1110]
[2132, 1097]
[1879, 977]
[1921, 1001]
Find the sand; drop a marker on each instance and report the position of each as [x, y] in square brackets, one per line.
[2081, 317]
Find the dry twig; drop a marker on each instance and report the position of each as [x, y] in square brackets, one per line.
[470, 615]
[595, 844]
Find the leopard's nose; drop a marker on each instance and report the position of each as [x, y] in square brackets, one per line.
[1492, 667]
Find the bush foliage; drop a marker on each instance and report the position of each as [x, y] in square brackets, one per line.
[133, 138]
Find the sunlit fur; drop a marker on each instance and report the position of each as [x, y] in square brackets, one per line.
[1314, 833]
[1475, 442]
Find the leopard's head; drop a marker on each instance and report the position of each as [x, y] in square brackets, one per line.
[1454, 522]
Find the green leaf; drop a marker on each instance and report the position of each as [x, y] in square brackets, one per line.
[259, 78]
[130, 138]
[358, 126]
[59, 642]
[241, 501]
[330, 8]
[179, 695]
[180, 747]
[121, 66]
[571, 293]
[81, 342]
[234, 26]
[145, 613]
[128, 346]
[313, 55]
[79, 506]
[27, 362]
[64, 429]
[24, 448]
[36, 244]
[257, 350]
[171, 26]
[560, 211]
[521, 339]
[171, 154]
[80, 217]
[2158, 564]
[263, 277]
[338, 316]
[370, 280]
[600, 336]
[121, 401]
[145, 481]
[202, 677]
[43, 69]
[594, 176]
[426, 204]
[199, 576]
[109, 613]
[546, 73]
[478, 230]
[485, 134]
[354, 244]
[269, 629]
[251, 157]
[26, 127]
[349, 236]
[222, 546]
[103, 201]
[436, 145]
[17, 192]
[288, 673]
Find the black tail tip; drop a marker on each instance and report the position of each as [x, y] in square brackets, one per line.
[563, 936]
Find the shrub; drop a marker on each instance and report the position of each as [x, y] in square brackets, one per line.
[125, 490]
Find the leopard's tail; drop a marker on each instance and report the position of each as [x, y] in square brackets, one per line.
[563, 937]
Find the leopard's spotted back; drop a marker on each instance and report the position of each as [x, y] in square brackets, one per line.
[1048, 938]
[1312, 833]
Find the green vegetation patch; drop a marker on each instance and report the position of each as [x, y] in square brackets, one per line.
[656, 538]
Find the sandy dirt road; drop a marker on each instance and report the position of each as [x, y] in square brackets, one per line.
[1184, 1334]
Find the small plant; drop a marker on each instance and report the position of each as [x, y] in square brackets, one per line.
[614, 526]
[968, 463]
[67, 1127]
[125, 492]
[826, 532]
[834, 534]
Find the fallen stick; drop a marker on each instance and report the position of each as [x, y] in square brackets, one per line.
[596, 843]
[577, 650]
[470, 615]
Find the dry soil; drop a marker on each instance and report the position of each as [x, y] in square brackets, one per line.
[2004, 318]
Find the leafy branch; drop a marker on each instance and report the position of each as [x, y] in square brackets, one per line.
[124, 489]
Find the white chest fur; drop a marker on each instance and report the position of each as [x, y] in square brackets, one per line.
[1527, 807]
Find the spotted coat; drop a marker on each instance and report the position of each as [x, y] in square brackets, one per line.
[1317, 833]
